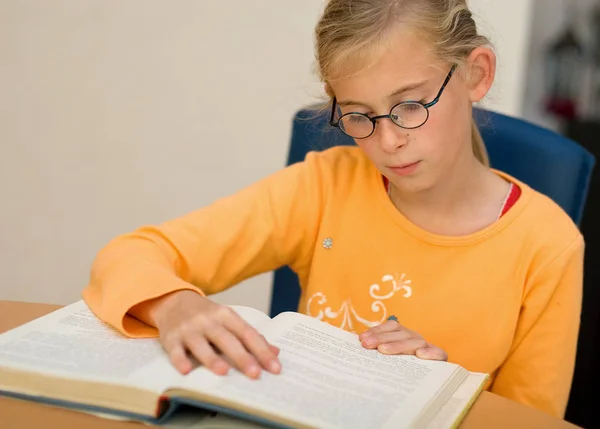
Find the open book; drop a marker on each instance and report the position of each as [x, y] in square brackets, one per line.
[69, 358]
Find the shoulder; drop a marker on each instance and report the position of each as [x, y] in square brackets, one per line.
[548, 218]
[317, 173]
[544, 227]
[340, 163]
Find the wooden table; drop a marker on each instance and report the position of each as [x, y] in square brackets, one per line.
[489, 411]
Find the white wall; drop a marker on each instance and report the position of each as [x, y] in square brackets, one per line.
[116, 114]
[507, 24]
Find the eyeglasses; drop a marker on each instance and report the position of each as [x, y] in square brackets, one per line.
[408, 115]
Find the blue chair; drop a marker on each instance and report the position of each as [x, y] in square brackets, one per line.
[548, 162]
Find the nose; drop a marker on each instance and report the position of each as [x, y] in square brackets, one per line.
[391, 137]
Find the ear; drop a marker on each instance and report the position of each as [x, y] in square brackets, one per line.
[482, 70]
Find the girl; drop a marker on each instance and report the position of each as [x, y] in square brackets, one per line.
[479, 268]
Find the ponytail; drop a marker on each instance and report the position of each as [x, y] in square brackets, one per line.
[478, 145]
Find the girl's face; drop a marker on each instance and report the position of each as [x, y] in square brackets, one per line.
[414, 160]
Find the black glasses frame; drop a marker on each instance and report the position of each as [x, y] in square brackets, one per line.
[374, 119]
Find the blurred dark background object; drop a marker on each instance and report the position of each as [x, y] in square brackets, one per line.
[583, 406]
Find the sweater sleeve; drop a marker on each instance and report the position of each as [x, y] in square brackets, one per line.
[272, 223]
[539, 369]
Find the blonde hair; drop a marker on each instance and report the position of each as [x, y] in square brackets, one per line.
[351, 33]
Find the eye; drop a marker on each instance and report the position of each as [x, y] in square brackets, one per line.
[356, 119]
[411, 107]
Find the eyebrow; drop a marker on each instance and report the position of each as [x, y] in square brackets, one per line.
[399, 91]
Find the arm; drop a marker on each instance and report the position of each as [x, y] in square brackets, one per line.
[539, 368]
[269, 224]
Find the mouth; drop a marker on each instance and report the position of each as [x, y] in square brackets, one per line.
[404, 169]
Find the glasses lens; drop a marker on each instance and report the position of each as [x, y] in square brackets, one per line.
[356, 125]
[410, 115]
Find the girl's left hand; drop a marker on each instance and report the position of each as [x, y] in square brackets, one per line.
[391, 338]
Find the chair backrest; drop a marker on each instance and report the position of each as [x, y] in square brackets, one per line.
[548, 162]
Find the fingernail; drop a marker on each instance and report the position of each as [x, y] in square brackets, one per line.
[370, 341]
[185, 368]
[253, 371]
[221, 368]
[422, 353]
[274, 366]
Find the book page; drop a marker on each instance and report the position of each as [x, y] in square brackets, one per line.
[330, 380]
[72, 342]
[452, 411]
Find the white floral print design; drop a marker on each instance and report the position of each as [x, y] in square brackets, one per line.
[392, 284]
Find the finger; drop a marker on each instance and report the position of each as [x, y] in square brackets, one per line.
[391, 337]
[406, 347]
[390, 325]
[201, 349]
[387, 332]
[432, 353]
[177, 355]
[180, 361]
[254, 342]
[274, 349]
[261, 350]
[232, 348]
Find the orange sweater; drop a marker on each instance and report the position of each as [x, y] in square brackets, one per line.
[505, 300]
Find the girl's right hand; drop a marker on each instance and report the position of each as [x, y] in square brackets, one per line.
[189, 322]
